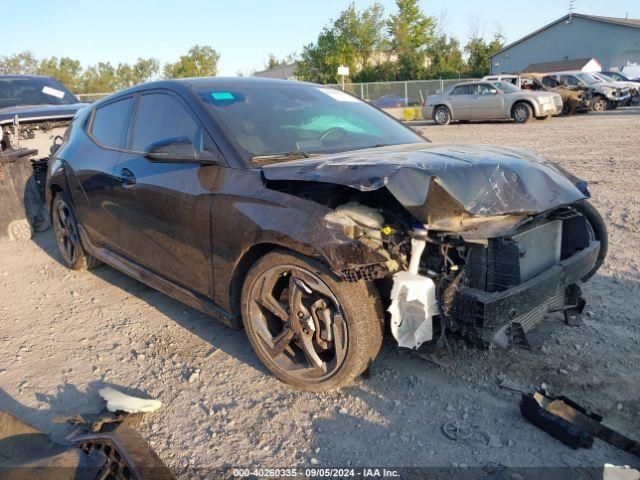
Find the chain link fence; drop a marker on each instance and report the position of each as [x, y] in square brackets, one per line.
[381, 94]
[399, 94]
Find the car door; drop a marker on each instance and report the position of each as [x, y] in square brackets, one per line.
[487, 102]
[165, 207]
[460, 101]
[106, 130]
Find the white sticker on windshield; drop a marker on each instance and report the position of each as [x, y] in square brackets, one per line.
[338, 95]
[54, 92]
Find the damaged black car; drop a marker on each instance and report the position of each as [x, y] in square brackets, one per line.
[316, 221]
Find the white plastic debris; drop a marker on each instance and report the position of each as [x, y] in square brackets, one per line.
[120, 402]
[413, 302]
[615, 472]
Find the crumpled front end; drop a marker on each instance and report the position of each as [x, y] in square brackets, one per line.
[484, 241]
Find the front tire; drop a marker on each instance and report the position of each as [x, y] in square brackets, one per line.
[67, 237]
[599, 231]
[310, 330]
[442, 115]
[600, 104]
[522, 112]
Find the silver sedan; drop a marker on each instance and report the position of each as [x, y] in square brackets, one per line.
[489, 101]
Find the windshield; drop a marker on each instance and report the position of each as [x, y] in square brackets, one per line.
[604, 77]
[506, 87]
[587, 78]
[617, 76]
[15, 91]
[282, 120]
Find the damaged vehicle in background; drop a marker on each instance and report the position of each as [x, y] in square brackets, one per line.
[303, 214]
[606, 95]
[34, 114]
[574, 99]
[634, 87]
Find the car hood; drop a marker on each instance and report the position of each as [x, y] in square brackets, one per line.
[39, 112]
[476, 180]
[618, 84]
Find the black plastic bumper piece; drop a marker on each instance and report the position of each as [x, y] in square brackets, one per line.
[485, 312]
[572, 424]
[532, 407]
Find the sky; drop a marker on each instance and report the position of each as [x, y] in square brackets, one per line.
[244, 32]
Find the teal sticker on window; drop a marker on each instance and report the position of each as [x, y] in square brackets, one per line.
[222, 95]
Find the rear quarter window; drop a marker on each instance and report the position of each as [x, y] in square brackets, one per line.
[110, 122]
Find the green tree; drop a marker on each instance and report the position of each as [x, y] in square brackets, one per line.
[99, 78]
[411, 32]
[143, 70]
[479, 51]
[445, 57]
[66, 70]
[201, 61]
[352, 40]
[274, 61]
[24, 63]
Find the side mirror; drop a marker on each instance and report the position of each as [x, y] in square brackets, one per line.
[493, 91]
[178, 150]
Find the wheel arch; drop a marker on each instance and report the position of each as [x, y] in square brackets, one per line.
[526, 101]
[446, 106]
[249, 258]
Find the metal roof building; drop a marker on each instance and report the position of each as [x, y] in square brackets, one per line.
[614, 42]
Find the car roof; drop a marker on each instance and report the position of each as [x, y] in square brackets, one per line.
[475, 82]
[240, 81]
[15, 76]
[182, 84]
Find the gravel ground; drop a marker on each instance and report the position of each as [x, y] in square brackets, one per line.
[65, 334]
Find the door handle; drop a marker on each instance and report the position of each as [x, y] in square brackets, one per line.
[127, 178]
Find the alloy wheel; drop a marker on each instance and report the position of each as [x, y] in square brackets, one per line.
[298, 323]
[600, 105]
[66, 233]
[521, 114]
[441, 116]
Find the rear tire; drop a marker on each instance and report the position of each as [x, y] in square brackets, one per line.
[568, 109]
[599, 232]
[442, 115]
[522, 112]
[280, 294]
[68, 238]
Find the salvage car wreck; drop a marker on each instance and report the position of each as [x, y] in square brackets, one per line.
[502, 236]
[302, 214]
[34, 114]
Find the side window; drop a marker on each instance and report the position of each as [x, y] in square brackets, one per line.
[461, 90]
[570, 80]
[109, 122]
[161, 116]
[483, 89]
[549, 82]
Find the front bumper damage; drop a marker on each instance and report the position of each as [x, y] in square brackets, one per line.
[501, 318]
[505, 242]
